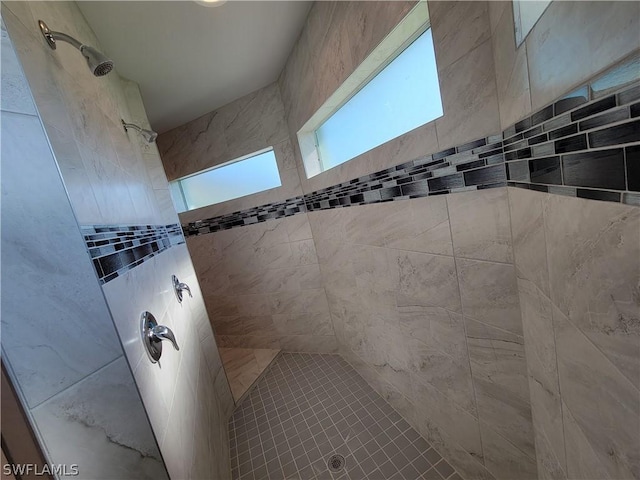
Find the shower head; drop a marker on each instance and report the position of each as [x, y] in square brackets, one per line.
[99, 64]
[149, 135]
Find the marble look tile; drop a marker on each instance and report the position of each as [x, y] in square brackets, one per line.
[285, 155]
[582, 460]
[247, 341]
[244, 366]
[436, 409]
[425, 227]
[469, 98]
[499, 373]
[16, 95]
[547, 462]
[259, 325]
[566, 33]
[503, 459]
[100, 425]
[450, 376]
[46, 360]
[334, 59]
[228, 325]
[458, 28]
[480, 225]
[589, 245]
[298, 227]
[512, 74]
[589, 381]
[369, 23]
[425, 280]
[529, 243]
[436, 327]
[540, 349]
[308, 301]
[309, 343]
[496, 9]
[490, 294]
[313, 324]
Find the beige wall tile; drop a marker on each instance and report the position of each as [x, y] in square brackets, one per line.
[512, 74]
[503, 459]
[458, 28]
[540, 348]
[501, 387]
[426, 280]
[589, 381]
[480, 225]
[529, 243]
[490, 294]
[435, 408]
[593, 281]
[469, 98]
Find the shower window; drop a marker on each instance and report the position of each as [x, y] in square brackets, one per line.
[252, 173]
[394, 90]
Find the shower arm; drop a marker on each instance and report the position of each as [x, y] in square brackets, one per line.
[52, 37]
[131, 125]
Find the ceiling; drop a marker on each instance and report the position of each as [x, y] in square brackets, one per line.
[190, 59]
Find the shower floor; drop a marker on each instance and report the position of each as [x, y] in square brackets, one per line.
[308, 407]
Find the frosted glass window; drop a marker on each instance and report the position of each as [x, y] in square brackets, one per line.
[401, 97]
[525, 15]
[244, 176]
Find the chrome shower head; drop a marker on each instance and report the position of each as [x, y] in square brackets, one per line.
[149, 135]
[99, 64]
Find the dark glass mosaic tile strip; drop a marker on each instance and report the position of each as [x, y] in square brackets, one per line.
[604, 119]
[116, 249]
[545, 170]
[599, 169]
[632, 155]
[624, 133]
[549, 151]
[599, 195]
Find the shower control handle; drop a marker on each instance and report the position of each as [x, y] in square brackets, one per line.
[180, 287]
[160, 332]
[153, 336]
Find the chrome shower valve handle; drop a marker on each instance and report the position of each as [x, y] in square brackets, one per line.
[153, 335]
[160, 333]
[179, 287]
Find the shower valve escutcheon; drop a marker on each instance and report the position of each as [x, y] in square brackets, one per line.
[180, 287]
[153, 335]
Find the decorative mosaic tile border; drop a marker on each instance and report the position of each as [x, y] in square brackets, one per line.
[116, 249]
[586, 144]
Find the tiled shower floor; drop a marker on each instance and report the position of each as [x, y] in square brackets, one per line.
[308, 407]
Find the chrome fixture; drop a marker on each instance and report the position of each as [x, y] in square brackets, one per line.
[153, 335]
[211, 3]
[149, 135]
[179, 287]
[99, 64]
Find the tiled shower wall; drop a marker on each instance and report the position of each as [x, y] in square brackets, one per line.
[58, 341]
[424, 296]
[115, 180]
[577, 261]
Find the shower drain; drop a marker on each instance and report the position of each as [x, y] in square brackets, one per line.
[335, 463]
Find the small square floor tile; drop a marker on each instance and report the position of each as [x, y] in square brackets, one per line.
[308, 407]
